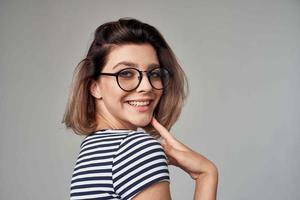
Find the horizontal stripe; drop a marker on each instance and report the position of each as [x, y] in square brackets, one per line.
[97, 157]
[92, 187]
[149, 180]
[98, 164]
[103, 137]
[94, 160]
[117, 164]
[132, 173]
[91, 181]
[137, 162]
[92, 178]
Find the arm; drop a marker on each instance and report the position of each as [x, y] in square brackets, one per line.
[202, 170]
[158, 191]
[206, 186]
[205, 189]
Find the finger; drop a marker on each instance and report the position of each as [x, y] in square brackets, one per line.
[167, 136]
[172, 161]
[161, 129]
[168, 161]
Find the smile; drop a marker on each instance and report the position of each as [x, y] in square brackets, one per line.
[138, 103]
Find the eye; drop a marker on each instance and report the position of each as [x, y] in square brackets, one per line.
[127, 73]
[155, 73]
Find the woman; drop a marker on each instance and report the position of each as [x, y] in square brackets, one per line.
[126, 95]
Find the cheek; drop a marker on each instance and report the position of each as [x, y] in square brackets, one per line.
[158, 98]
[112, 93]
[108, 87]
[159, 94]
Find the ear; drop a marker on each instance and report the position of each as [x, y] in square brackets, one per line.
[95, 90]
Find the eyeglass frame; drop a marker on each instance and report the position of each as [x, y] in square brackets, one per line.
[116, 74]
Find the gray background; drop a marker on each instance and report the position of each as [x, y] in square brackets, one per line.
[242, 60]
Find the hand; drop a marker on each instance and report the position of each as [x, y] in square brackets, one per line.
[182, 156]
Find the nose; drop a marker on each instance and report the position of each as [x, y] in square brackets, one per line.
[145, 84]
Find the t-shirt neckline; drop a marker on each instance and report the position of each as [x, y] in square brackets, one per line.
[109, 129]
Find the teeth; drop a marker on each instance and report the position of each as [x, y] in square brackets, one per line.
[139, 103]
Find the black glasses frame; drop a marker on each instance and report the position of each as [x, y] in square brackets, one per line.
[148, 74]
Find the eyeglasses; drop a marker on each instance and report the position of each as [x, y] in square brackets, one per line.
[129, 79]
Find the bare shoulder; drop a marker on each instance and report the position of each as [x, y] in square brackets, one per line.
[157, 191]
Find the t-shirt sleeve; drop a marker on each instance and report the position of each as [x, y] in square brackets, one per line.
[139, 162]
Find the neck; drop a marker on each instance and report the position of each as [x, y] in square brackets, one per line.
[104, 122]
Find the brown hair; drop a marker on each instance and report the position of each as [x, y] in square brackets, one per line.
[80, 113]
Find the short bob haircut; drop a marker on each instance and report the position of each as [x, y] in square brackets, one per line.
[80, 113]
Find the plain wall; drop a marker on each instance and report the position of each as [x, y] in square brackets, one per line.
[242, 59]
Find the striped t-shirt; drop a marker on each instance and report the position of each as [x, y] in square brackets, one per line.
[117, 164]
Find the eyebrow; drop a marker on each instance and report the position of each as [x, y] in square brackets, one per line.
[131, 64]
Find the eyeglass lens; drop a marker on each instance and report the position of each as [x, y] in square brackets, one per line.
[130, 78]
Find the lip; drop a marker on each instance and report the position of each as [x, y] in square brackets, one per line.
[142, 99]
[141, 108]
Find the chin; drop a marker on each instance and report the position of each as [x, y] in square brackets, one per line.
[142, 122]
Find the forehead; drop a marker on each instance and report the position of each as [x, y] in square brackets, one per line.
[140, 54]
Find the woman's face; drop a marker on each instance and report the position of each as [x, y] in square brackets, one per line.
[119, 108]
